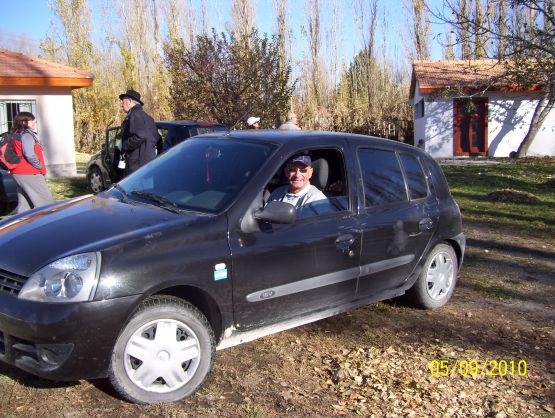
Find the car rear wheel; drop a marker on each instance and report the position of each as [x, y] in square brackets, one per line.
[95, 180]
[436, 282]
[164, 353]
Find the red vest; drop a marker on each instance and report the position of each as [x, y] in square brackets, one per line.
[24, 167]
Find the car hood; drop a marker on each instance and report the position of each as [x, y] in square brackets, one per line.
[91, 223]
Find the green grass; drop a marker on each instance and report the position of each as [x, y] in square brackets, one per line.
[470, 185]
[65, 188]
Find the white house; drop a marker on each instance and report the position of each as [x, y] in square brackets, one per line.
[493, 122]
[43, 88]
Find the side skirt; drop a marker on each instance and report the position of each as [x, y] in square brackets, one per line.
[233, 337]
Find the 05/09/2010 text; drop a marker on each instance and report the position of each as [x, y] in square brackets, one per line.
[478, 368]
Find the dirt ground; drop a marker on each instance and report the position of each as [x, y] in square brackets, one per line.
[496, 338]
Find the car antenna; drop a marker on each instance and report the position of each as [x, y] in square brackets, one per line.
[238, 120]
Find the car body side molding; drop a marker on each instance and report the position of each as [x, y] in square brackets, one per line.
[328, 279]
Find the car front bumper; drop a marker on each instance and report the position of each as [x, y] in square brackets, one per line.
[62, 341]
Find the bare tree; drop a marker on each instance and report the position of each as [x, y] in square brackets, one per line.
[464, 30]
[448, 46]
[22, 43]
[242, 16]
[419, 22]
[501, 29]
[479, 39]
[140, 42]
[314, 44]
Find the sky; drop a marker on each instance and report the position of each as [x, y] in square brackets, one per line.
[33, 18]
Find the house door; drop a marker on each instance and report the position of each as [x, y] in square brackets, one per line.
[470, 127]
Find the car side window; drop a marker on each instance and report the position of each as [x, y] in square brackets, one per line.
[328, 176]
[416, 180]
[382, 177]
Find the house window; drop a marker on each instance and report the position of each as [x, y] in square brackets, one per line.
[10, 108]
[419, 109]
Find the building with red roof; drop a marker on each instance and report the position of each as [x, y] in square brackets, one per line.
[43, 88]
[468, 108]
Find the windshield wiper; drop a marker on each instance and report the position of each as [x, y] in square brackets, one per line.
[122, 191]
[162, 201]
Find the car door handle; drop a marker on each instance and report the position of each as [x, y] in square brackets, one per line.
[344, 242]
[425, 224]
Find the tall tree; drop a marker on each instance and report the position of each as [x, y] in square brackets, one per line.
[479, 39]
[419, 22]
[314, 37]
[71, 44]
[464, 30]
[242, 16]
[226, 78]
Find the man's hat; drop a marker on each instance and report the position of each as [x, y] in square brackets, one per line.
[252, 120]
[132, 94]
[301, 159]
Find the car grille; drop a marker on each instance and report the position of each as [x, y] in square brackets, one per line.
[11, 283]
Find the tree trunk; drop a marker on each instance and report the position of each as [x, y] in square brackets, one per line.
[544, 106]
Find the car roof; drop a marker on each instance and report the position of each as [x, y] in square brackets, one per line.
[286, 136]
[186, 122]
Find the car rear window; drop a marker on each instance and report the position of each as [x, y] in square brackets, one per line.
[199, 130]
[416, 180]
[382, 177]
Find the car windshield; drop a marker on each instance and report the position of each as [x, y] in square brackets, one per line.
[203, 174]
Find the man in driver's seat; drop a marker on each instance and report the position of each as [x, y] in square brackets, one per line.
[307, 199]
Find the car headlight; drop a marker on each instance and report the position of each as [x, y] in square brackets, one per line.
[69, 279]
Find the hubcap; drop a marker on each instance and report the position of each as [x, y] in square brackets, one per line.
[162, 356]
[440, 275]
[95, 182]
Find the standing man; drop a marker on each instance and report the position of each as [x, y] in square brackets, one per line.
[139, 133]
[290, 122]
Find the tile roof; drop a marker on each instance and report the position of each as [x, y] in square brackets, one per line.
[470, 75]
[22, 70]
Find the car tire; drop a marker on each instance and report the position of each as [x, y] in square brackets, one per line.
[95, 180]
[164, 353]
[437, 281]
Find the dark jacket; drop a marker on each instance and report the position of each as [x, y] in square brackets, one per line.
[139, 138]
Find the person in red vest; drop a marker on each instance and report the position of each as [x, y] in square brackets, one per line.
[32, 190]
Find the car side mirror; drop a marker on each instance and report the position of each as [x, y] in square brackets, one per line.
[277, 212]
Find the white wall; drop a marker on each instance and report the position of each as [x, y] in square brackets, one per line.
[54, 113]
[509, 116]
[509, 122]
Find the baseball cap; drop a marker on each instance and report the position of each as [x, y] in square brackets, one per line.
[302, 159]
[252, 120]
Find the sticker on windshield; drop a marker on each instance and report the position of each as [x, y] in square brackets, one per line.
[220, 271]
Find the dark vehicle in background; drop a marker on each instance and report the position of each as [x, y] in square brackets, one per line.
[143, 282]
[8, 193]
[102, 168]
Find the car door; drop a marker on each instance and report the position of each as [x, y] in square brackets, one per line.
[284, 271]
[397, 221]
[112, 154]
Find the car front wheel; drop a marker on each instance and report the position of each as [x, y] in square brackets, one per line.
[95, 180]
[164, 353]
[436, 282]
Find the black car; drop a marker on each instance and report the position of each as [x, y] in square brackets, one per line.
[144, 282]
[102, 168]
